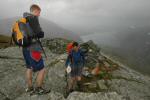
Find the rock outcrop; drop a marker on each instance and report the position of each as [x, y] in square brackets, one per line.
[122, 84]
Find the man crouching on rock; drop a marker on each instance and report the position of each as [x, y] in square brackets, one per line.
[75, 64]
[32, 53]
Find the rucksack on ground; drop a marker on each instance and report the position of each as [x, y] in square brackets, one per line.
[22, 33]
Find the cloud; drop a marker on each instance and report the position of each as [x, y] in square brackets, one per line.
[84, 15]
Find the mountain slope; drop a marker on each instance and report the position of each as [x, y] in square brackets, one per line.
[131, 46]
[4, 41]
[135, 48]
[123, 84]
[51, 29]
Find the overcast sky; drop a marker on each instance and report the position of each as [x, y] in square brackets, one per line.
[85, 15]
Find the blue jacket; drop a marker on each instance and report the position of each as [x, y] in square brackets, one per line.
[75, 58]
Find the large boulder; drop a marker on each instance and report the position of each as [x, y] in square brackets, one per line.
[130, 84]
[95, 96]
[55, 78]
[12, 72]
[51, 96]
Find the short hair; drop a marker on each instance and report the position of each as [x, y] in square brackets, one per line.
[75, 44]
[34, 7]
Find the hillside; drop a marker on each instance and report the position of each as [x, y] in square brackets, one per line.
[51, 29]
[131, 46]
[4, 41]
[136, 47]
[113, 82]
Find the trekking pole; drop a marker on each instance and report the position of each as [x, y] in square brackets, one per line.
[67, 85]
[11, 40]
[66, 75]
[42, 48]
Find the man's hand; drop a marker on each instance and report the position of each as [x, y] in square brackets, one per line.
[20, 42]
[40, 35]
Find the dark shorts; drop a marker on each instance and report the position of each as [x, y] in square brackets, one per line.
[31, 63]
[76, 70]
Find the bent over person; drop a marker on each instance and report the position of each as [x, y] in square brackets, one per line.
[76, 62]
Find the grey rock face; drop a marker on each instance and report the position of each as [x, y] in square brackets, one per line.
[95, 96]
[51, 96]
[132, 85]
[102, 85]
[126, 84]
[12, 71]
[56, 78]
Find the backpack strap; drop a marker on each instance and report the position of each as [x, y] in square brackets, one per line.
[11, 40]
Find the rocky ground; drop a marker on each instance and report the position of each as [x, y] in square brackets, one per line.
[117, 83]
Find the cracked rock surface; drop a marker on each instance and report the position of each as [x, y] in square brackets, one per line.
[125, 83]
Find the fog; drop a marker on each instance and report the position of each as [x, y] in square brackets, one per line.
[85, 16]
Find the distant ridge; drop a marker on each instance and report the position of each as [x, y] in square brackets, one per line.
[51, 29]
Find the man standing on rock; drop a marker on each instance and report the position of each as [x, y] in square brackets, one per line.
[32, 53]
[75, 64]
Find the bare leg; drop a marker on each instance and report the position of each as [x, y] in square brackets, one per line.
[79, 78]
[40, 77]
[79, 83]
[29, 77]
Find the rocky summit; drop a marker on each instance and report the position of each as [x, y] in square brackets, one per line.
[103, 78]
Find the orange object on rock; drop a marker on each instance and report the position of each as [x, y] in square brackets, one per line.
[96, 71]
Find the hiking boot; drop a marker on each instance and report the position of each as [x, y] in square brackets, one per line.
[29, 89]
[40, 91]
[68, 91]
[71, 90]
[79, 85]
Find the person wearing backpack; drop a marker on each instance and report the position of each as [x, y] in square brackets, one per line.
[26, 34]
[76, 63]
[69, 47]
[32, 53]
